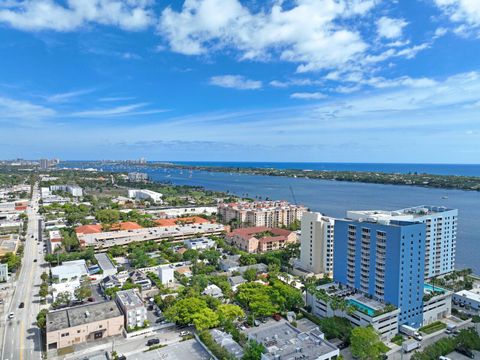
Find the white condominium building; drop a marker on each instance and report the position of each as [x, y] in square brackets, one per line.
[144, 194]
[441, 234]
[316, 243]
[74, 190]
[262, 213]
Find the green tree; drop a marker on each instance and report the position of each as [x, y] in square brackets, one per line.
[365, 343]
[83, 291]
[12, 260]
[43, 292]
[205, 319]
[184, 310]
[250, 274]
[62, 298]
[42, 319]
[253, 351]
[229, 312]
[247, 259]
[44, 276]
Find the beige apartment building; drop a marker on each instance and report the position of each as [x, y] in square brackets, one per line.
[261, 213]
[261, 239]
[81, 324]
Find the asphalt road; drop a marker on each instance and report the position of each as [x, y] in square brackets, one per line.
[21, 338]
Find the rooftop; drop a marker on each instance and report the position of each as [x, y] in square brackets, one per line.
[104, 262]
[283, 340]
[79, 315]
[411, 213]
[129, 298]
[180, 221]
[469, 294]
[261, 205]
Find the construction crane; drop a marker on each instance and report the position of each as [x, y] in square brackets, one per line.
[293, 196]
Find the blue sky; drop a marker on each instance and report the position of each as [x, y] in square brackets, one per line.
[298, 80]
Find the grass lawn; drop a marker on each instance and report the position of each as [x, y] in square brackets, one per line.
[397, 339]
[383, 348]
[433, 327]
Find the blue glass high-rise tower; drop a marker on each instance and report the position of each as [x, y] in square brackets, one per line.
[385, 260]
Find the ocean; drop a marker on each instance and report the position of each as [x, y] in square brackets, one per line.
[334, 198]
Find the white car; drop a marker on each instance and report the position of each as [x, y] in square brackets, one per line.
[11, 316]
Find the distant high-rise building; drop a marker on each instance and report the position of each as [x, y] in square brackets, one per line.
[441, 233]
[316, 243]
[44, 164]
[384, 259]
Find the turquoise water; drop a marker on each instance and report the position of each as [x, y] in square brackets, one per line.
[429, 287]
[362, 307]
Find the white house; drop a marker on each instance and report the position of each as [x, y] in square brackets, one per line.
[166, 274]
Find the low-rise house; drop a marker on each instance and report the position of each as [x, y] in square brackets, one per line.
[261, 239]
[141, 279]
[106, 265]
[184, 270]
[132, 307]
[260, 268]
[213, 290]
[55, 239]
[236, 281]
[230, 264]
[226, 341]
[166, 274]
[200, 244]
[283, 341]
[70, 270]
[81, 324]
[109, 282]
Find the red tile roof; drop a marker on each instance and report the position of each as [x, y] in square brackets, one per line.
[89, 229]
[127, 225]
[179, 221]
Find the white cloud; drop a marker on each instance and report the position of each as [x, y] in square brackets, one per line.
[390, 28]
[37, 15]
[308, 95]
[235, 82]
[124, 110]
[67, 96]
[467, 11]
[23, 112]
[307, 33]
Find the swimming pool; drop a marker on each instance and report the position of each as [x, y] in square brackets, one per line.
[362, 307]
[430, 288]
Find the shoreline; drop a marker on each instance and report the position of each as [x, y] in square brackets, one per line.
[447, 182]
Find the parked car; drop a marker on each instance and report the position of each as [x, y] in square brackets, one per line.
[465, 351]
[342, 345]
[443, 358]
[184, 333]
[151, 342]
[22, 305]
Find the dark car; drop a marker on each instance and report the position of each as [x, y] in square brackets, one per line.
[342, 345]
[122, 357]
[35, 260]
[21, 306]
[465, 351]
[153, 342]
